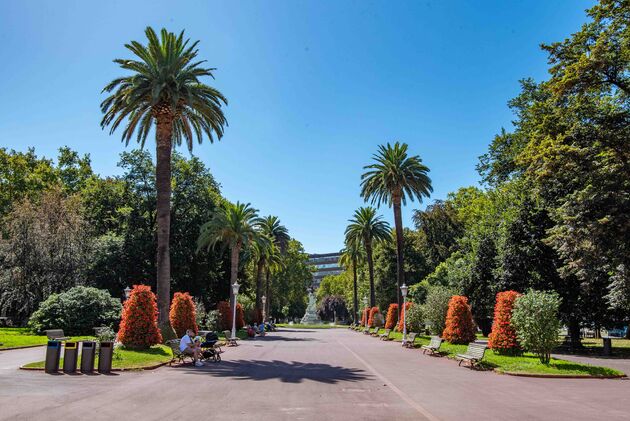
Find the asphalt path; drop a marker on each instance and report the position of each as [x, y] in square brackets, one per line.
[304, 374]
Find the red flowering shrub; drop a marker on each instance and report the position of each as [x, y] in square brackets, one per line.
[225, 315]
[373, 312]
[460, 328]
[138, 327]
[182, 314]
[364, 316]
[392, 316]
[503, 338]
[399, 325]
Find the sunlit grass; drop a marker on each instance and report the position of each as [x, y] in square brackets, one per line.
[11, 337]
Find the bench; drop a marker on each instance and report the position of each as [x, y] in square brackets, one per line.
[374, 332]
[178, 355]
[56, 335]
[474, 354]
[411, 340]
[229, 340]
[366, 330]
[385, 335]
[434, 345]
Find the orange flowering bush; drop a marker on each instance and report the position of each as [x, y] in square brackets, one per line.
[182, 314]
[399, 325]
[364, 316]
[225, 315]
[460, 328]
[138, 327]
[392, 316]
[373, 312]
[503, 339]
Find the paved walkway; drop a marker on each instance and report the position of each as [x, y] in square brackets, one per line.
[331, 374]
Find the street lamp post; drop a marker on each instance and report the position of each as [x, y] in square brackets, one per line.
[127, 293]
[403, 290]
[264, 302]
[235, 287]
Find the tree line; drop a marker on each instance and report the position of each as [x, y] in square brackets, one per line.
[553, 209]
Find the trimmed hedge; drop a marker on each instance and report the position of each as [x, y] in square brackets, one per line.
[225, 315]
[503, 339]
[407, 306]
[372, 320]
[392, 316]
[460, 328]
[139, 328]
[183, 314]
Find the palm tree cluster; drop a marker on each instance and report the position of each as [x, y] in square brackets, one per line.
[391, 179]
[239, 228]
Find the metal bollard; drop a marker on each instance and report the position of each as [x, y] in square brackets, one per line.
[70, 354]
[53, 351]
[88, 350]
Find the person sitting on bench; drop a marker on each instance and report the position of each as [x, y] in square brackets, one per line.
[191, 347]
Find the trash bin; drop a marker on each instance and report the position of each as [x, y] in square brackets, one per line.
[105, 357]
[607, 351]
[53, 351]
[70, 354]
[88, 350]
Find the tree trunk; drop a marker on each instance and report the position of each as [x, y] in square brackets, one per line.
[355, 302]
[234, 271]
[259, 286]
[574, 334]
[163, 186]
[368, 252]
[400, 274]
[268, 293]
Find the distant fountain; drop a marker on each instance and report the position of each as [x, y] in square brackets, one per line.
[311, 317]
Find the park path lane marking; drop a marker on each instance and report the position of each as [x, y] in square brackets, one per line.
[415, 405]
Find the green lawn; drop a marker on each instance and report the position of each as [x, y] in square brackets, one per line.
[321, 326]
[128, 358]
[525, 364]
[11, 337]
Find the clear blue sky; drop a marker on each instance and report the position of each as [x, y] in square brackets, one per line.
[313, 88]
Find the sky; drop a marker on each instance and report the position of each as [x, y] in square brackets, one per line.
[313, 87]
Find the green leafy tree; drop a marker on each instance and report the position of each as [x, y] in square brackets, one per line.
[164, 90]
[367, 228]
[442, 229]
[535, 318]
[393, 178]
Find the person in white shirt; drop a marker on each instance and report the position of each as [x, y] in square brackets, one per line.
[188, 346]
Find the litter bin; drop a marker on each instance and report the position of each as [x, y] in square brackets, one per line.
[88, 350]
[607, 351]
[53, 351]
[105, 357]
[70, 354]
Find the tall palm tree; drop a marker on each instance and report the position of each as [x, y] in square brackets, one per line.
[279, 235]
[352, 256]
[366, 228]
[274, 266]
[164, 90]
[233, 226]
[393, 178]
[261, 252]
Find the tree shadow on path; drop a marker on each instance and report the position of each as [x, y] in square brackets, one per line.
[286, 372]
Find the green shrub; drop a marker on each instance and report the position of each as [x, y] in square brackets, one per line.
[535, 317]
[415, 319]
[436, 306]
[77, 311]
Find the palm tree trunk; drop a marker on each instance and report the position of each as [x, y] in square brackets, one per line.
[355, 302]
[400, 274]
[268, 293]
[368, 252]
[163, 186]
[234, 271]
[259, 286]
